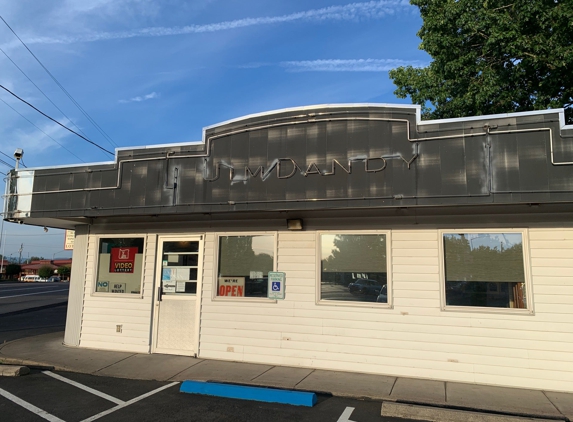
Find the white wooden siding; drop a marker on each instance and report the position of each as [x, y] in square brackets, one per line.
[102, 314]
[415, 338]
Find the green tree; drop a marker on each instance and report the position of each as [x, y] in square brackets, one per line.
[492, 56]
[45, 271]
[358, 254]
[13, 270]
[64, 271]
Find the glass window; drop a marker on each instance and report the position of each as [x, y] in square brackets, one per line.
[120, 265]
[244, 264]
[484, 269]
[353, 268]
[180, 266]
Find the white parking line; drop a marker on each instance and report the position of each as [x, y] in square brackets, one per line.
[127, 403]
[84, 387]
[31, 294]
[30, 407]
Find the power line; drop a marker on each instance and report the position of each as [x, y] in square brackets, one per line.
[32, 123]
[6, 164]
[6, 155]
[92, 121]
[43, 93]
[55, 121]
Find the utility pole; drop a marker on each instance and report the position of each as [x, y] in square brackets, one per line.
[20, 250]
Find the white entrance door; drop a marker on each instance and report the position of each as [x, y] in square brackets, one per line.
[177, 295]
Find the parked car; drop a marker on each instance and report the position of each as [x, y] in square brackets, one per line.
[53, 279]
[365, 287]
[31, 278]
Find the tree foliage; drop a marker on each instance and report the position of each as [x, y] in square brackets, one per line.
[45, 271]
[13, 269]
[482, 263]
[492, 56]
[357, 253]
[64, 271]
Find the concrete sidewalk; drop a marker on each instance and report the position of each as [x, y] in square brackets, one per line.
[48, 350]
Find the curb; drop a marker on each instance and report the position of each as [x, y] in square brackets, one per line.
[33, 364]
[13, 370]
[440, 414]
[37, 308]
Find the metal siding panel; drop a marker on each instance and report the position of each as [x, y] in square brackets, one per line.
[428, 165]
[453, 167]
[477, 166]
[533, 162]
[505, 163]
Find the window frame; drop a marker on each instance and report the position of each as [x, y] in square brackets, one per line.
[98, 238]
[529, 310]
[215, 289]
[353, 304]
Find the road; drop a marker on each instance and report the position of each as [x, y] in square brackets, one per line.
[112, 399]
[16, 297]
[28, 324]
[19, 313]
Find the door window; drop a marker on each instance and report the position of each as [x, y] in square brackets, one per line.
[180, 264]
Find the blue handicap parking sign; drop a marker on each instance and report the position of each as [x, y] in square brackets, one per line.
[276, 286]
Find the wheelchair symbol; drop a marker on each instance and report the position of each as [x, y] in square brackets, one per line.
[276, 286]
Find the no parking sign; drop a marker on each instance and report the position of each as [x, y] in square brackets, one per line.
[276, 288]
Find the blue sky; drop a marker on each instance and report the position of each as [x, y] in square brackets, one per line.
[152, 72]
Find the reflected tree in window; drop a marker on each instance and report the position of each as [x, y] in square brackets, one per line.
[347, 258]
[484, 270]
[243, 256]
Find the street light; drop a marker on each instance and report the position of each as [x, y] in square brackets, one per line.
[55, 253]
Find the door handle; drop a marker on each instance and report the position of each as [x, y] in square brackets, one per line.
[159, 293]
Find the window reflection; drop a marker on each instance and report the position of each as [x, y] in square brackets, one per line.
[484, 269]
[353, 268]
[244, 264]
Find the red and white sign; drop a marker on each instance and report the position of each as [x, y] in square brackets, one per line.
[232, 286]
[122, 260]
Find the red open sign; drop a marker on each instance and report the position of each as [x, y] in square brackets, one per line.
[232, 286]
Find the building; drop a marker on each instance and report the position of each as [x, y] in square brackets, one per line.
[434, 249]
[33, 267]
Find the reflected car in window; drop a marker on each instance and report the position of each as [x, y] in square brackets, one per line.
[383, 295]
[365, 287]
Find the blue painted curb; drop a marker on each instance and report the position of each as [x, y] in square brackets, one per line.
[270, 395]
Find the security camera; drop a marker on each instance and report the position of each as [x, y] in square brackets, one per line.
[19, 153]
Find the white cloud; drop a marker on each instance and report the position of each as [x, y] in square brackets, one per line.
[352, 11]
[253, 65]
[36, 139]
[353, 65]
[141, 98]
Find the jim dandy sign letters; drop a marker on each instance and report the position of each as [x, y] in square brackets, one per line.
[288, 167]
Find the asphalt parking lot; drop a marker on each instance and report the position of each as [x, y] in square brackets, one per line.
[71, 397]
